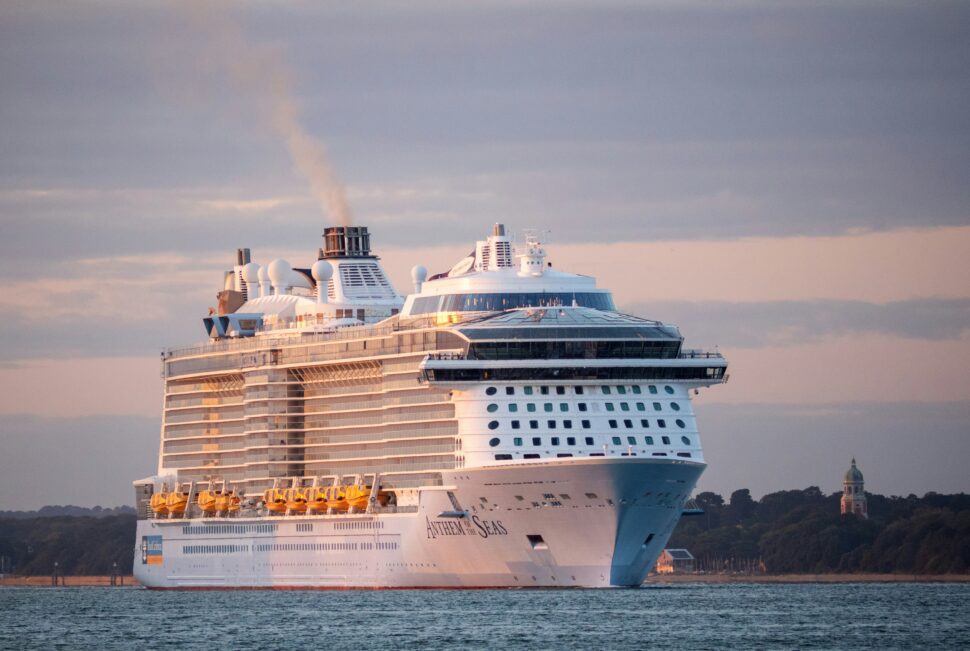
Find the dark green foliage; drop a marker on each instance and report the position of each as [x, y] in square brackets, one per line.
[79, 545]
[802, 531]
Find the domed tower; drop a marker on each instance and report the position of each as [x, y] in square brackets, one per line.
[853, 493]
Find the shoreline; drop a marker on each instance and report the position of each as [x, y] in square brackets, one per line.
[661, 579]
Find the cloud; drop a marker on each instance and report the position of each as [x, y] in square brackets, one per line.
[779, 323]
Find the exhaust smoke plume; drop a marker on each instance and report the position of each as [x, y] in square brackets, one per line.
[261, 70]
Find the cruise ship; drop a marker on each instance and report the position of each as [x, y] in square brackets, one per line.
[502, 425]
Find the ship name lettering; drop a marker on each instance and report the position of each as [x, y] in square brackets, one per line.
[488, 528]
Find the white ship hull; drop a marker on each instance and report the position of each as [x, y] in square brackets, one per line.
[595, 522]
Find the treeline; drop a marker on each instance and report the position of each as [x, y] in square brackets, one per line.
[77, 511]
[802, 531]
[80, 546]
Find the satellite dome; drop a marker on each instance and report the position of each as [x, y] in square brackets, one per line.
[419, 274]
[279, 274]
[263, 275]
[853, 474]
[322, 271]
[251, 272]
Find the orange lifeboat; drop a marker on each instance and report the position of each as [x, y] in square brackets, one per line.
[295, 500]
[337, 498]
[316, 500]
[226, 501]
[275, 500]
[357, 497]
[159, 504]
[207, 500]
[177, 502]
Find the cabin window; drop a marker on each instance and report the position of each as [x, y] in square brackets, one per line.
[612, 424]
[665, 440]
[515, 424]
[627, 423]
[652, 388]
[570, 440]
[533, 424]
[675, 406]
[585, 424]
[617, 441]
[493, 424]
[560, 391]
[492, 408]
[494, 442]
[661, 422]
[685, 440]
[648, 440]
[632, 440]
[589, 440]
[517, 441]
[657, 406]
[681, 424]
[510, 391]
[536, 440]
[490, 391]
[669, 389]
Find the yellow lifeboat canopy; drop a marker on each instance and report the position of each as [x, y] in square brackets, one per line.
[316, 499]
[274, 500]
[207, 501]
[159, 504]
[295, 500]
[177, 501]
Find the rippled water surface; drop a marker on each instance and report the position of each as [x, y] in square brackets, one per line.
[695, 616]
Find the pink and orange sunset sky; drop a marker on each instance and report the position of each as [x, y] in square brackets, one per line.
[789, 182]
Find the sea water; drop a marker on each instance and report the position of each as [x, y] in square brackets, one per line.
[680, 616]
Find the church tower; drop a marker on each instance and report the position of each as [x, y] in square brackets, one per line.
[853, 493]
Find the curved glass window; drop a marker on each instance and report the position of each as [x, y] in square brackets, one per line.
[494, 442]
[680, 423]
[685, 440]
[492, 408]
[509, 301]
[669, 389]
[490, 391]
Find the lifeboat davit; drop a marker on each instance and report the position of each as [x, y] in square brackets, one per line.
[295, 500]
[275, 500]
[177, 501]
[159, 504]
[316, 499]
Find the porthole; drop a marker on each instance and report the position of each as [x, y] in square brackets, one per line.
[685, 440]
[493, 424]
[494, 442]
[669, 389]
[675, 406]
[490, 391]
[492, 408]
[680, 423]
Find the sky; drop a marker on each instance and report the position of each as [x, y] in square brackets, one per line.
[789, 182]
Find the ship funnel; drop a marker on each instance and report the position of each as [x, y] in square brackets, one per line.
[498, 230]
[346, 242]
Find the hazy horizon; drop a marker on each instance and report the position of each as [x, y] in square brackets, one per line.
[787, 182]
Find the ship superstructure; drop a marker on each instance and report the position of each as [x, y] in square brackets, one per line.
[503, 425]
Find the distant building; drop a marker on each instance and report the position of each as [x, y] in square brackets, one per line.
[853, 493]
[675, 561]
